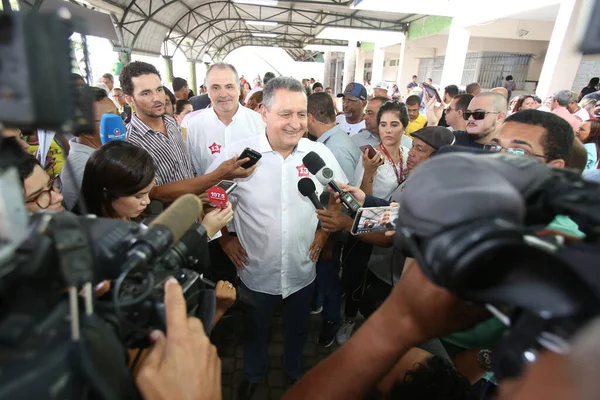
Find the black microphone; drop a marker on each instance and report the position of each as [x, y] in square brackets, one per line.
[316, 166]
[307, 187]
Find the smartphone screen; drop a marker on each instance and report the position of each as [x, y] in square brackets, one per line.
[375, 219]
[228, 186]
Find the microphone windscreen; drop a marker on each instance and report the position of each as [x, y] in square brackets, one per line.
[180, 216]
[306, 186]
[313, 162]
[111, 128]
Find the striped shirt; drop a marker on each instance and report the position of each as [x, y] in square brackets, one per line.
[171, 159]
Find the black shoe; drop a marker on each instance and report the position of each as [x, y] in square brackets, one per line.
[246, 390]
[327, 335]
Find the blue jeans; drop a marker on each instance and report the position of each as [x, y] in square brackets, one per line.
[329, 289]
[296, 312]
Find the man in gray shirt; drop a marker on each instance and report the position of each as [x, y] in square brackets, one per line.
[321, 124]
[82, 147]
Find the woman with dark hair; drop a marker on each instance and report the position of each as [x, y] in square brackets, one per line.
[589, 134]
[182, 108]
[169, 101]
[526, 102]
[590, 88]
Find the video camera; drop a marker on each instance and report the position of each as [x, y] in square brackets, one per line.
[57, 340]
[476, 235]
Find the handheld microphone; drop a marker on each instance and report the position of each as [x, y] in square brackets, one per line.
[316, 166]
[307, 187]
[111, 128]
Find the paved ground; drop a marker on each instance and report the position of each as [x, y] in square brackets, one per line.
[274, 385]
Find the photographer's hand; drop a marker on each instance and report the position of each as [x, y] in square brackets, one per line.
[415, 311]
[184, 364]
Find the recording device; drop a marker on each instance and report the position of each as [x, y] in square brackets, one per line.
[375, 219]
[112, 128]
[308, 189]
[365, 147]
[126, 114]
[546, 289]
[35, 52]
[253, 155]
[431, 92]
[227, 186]
[316, 166]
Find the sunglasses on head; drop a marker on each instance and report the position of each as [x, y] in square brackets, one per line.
[477, 115]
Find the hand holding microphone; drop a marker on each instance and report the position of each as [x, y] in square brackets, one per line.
[316, 166]
[307, 187]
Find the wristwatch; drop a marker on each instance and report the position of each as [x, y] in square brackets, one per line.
[484, 357]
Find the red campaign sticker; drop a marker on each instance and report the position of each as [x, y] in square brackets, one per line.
[215, 148]
[218, 197]
[302, 171]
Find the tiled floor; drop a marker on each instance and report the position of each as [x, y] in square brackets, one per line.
[274, 384]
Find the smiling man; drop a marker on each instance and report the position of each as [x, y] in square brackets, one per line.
[277, 227]
[226, 122]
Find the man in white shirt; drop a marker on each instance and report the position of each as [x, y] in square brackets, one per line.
[354, 100]
[277, 227]
[225, 123]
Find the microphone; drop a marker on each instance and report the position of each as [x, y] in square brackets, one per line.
[307, 187]
[316, 166]
[167, 229]
[111, 128]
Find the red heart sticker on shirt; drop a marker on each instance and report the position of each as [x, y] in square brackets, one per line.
[218, 197]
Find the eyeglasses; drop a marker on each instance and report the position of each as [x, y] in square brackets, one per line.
[44, 198]
[496, 148]
[478, 115]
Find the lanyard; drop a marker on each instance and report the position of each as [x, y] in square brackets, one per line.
[389, 157]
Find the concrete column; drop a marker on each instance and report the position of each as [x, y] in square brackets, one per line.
[201, 78]
[193, 83]
[169, 68]
[327, 69]
[562, 58]
[456, 52]
[359, 73]
[350, 63]
[378, 60]
[400, 66]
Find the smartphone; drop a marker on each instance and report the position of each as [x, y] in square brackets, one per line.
[252, 154]
[371, 149]
[432, 92]
[227, 186]
[375, 219]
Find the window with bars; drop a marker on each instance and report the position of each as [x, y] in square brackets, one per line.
[487, 68]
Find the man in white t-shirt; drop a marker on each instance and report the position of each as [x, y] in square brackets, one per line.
[277, 227]
[225, 123]
[354, 101]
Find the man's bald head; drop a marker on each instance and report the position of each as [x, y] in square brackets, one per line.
[501, 91]
[497, 99]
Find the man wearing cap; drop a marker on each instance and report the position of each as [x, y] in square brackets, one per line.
[354, 100]
[381, 90]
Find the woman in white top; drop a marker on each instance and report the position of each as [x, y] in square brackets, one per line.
[589, 134]
[382, 174]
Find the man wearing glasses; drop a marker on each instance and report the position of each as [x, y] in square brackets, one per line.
[484, 116]
[544, 136]
[41, 192]
[82, 147]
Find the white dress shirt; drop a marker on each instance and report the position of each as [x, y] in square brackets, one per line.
[275, 224]
[350, 129]
[207, 135]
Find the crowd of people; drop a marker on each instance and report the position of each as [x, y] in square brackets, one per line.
[271, 242]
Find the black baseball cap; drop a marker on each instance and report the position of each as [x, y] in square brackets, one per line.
[435, 136]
